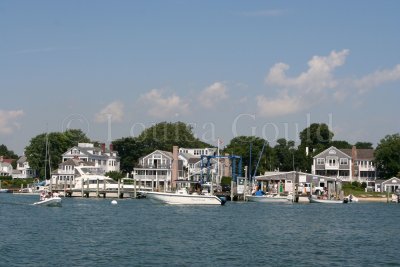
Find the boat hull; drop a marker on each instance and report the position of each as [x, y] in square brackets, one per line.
[50, 202]
[176, 199]
[268, 199]
[326, 201]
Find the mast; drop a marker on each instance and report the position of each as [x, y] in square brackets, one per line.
[45, 157]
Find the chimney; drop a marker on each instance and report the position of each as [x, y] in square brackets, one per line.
[103, 147]
[174, 177]
[111, 147]
[353, 162]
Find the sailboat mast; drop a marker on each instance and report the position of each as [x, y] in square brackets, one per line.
[45, 157]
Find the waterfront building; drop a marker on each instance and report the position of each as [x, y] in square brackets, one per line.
[6, 168]
[157, 168]
[64, 176]
[23, 170]
[390, 185]
[347, 164]
[105, 159]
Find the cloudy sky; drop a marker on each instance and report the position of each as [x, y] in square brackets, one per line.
[227, 68]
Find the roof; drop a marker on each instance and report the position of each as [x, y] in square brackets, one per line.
[291, 175]
[366, 154]
[334, 148]
[10, 161]
[393, 180]
[22, 159]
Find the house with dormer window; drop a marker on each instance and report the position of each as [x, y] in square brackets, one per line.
[106, 159]
[347, 164]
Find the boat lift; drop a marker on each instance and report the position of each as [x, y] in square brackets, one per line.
[236, 170]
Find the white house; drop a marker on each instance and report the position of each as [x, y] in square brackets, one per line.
[23, 170]
[66, 173]
[106, 159]
[6, 169]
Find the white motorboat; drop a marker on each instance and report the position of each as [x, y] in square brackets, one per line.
[351, 199]
[183, 197]
[326, 201]
[270, 198]
[53, 201]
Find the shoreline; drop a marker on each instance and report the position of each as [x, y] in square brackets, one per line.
[373, 199]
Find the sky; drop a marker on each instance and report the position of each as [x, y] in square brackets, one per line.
[226, 68]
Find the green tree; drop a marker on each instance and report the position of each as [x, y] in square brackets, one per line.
[387, 156]
[339, 144]
[129, 149]
[285, 152]
[161, 136]
[7, 153]
[241, 146]
[165, 135]
[317, 137]
[364, 145]
[57, 144]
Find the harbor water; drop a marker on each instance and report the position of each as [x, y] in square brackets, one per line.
[93, 232]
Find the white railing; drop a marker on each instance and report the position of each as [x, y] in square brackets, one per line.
[152, 177]
[331, 166]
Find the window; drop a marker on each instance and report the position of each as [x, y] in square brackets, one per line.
[344, 161]
[320, 161]
[332, 162]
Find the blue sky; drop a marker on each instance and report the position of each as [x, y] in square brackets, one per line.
[228, 68]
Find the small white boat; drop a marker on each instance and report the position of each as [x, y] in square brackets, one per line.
[50, 202]
[326, 201]
[183, 197]
[269, 198]
[351, 199]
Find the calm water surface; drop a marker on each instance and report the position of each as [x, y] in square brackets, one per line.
[92, 232]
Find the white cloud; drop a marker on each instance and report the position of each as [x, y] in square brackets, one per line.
[7, 123]
[162, 107]
[318, 76]
[282, 105]
[301, 92]
[377, 78]
[112, 112]
[212, 95]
